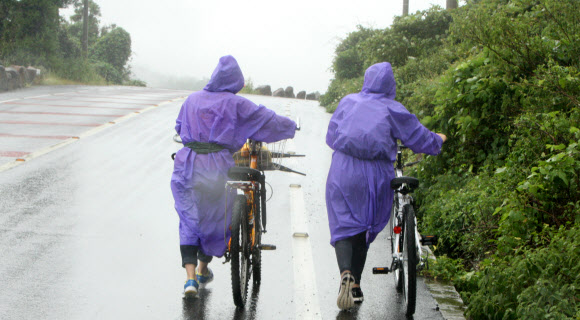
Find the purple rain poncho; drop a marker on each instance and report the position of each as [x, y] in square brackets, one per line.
[363, 133]
[216, 115]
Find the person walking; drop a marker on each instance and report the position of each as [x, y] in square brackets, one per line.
[363, 133]
[213, 124]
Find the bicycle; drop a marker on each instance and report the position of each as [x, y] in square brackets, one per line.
[405, 237]
[249, 213]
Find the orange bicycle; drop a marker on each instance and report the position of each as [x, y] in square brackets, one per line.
[249, 212]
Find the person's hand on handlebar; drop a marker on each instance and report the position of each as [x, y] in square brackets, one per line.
[444, 137]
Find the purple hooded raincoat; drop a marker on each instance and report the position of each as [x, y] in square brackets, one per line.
[216, 115]
[363, 133]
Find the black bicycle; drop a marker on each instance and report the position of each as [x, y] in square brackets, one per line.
[405, 238]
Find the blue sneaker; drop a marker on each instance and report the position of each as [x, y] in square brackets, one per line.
[204, 279]
[190, 289]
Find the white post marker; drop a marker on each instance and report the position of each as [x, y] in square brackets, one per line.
[305, 291]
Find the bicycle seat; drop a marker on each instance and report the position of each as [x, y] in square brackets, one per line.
[411, 183]
[244, 174]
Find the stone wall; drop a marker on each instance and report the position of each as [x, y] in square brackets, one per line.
[15, 77]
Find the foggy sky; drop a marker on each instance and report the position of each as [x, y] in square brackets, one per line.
[279, 43]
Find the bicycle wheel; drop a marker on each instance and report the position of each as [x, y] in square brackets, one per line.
[410, 260]
[396, 247]
[239, 251]
[256, 251]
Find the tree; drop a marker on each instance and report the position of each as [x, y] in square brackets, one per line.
[29, 30]
[114, 48]
[406, 7]
[451, 4]
[85, 35]
[76, 27]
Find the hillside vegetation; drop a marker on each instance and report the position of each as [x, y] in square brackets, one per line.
[32, 33]
[502, 79]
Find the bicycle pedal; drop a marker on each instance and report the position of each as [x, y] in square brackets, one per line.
[267, 247]
[381, 270]
[428, 240]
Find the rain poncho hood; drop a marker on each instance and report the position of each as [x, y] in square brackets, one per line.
[363, 133]
[227, 76]
[216, 115]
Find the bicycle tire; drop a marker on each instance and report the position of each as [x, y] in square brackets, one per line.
[398, 273]
[239, 251]
[256, 251]
[410, 260]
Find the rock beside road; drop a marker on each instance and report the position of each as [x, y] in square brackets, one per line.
[289, 92]
[15, 77]
[264, 90]
[313, 96]
[279, 93]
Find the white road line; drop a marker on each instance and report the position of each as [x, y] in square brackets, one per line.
[305, 291]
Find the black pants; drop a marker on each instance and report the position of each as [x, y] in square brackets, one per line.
[190, 255]
[351, 254]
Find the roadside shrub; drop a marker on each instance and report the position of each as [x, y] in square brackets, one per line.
[532, 283]
[108, 72]
[77, 70]
[445, 269]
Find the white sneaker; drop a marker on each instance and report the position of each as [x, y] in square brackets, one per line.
[345, 299]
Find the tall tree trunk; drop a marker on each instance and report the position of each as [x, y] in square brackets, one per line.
[451, 4]
[406, 7]
[85, 36]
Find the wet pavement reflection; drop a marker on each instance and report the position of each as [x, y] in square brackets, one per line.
[88, 231]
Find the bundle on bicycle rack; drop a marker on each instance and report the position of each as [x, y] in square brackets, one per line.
[269, 158]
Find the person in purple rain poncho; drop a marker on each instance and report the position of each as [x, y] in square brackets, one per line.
[363, 133]
[213, 124]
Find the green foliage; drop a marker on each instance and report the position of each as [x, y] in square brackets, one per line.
[409, 40]
[502, 82]
[349, 61]
[114, 48]
[32, 33]
[410, 37]
[248, 87]
[531, 283]
[135, 83]
[336, 90]
[108, 72]
[445, 268]
[76, 25]
[77, 70]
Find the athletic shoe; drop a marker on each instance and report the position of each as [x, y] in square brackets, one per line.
[204, 279]
[357, 295]
[190, 289]
[345, 299]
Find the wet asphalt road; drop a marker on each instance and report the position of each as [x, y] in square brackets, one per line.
[88, 229]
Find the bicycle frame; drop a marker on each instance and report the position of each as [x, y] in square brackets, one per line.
[253, 190]
[400, 200]
[405, 239]
[249, 215]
